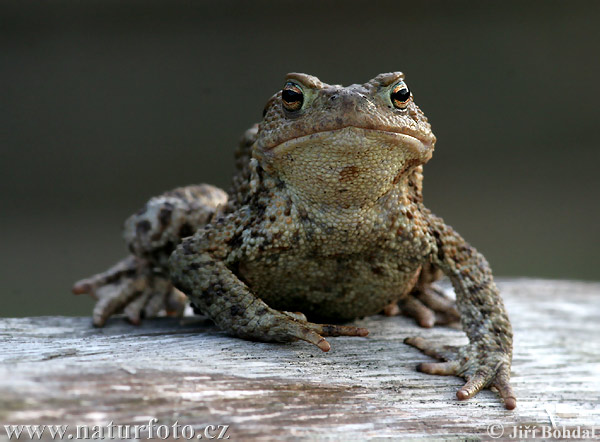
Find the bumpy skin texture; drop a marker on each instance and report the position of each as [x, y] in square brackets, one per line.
[326, 217]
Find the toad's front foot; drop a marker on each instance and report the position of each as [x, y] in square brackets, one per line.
[286, 326]
[481, 367]
[130, 286]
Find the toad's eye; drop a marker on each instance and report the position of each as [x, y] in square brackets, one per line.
[292, 97]
[400, 95]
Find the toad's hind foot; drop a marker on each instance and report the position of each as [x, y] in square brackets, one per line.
[428, 305]
[133, 288]
[480, 367]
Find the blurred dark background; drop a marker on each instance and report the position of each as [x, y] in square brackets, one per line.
[106, 103]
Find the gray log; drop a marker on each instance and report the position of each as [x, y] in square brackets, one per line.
[61, 370]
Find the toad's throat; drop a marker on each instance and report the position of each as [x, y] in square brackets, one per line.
[346, 167]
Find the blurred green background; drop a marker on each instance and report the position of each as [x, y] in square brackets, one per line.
[106, 103]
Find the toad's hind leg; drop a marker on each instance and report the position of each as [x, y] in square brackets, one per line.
[139, 285]
[426, 303]
[154, 231]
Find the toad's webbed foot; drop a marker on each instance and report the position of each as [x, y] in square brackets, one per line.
[131, 287]
[428, 305]
[481, 368]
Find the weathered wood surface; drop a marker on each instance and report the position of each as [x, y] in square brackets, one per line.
[58, 370]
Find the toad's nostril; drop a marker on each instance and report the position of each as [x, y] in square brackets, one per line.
[334, 97]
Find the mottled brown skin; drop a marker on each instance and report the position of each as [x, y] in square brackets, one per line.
[326, 217]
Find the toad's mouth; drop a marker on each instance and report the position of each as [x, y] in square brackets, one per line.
[346, 167]
[358, 138]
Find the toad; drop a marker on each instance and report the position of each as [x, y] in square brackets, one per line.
[324, 223]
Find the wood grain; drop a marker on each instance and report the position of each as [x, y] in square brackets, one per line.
[61, 370]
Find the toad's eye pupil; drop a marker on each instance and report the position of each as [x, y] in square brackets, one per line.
[292, 97]
[400, 95]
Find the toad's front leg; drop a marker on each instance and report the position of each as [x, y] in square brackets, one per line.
[201, 268]
[485, 361]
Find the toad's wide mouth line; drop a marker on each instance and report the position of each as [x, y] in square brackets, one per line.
[417, 144]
